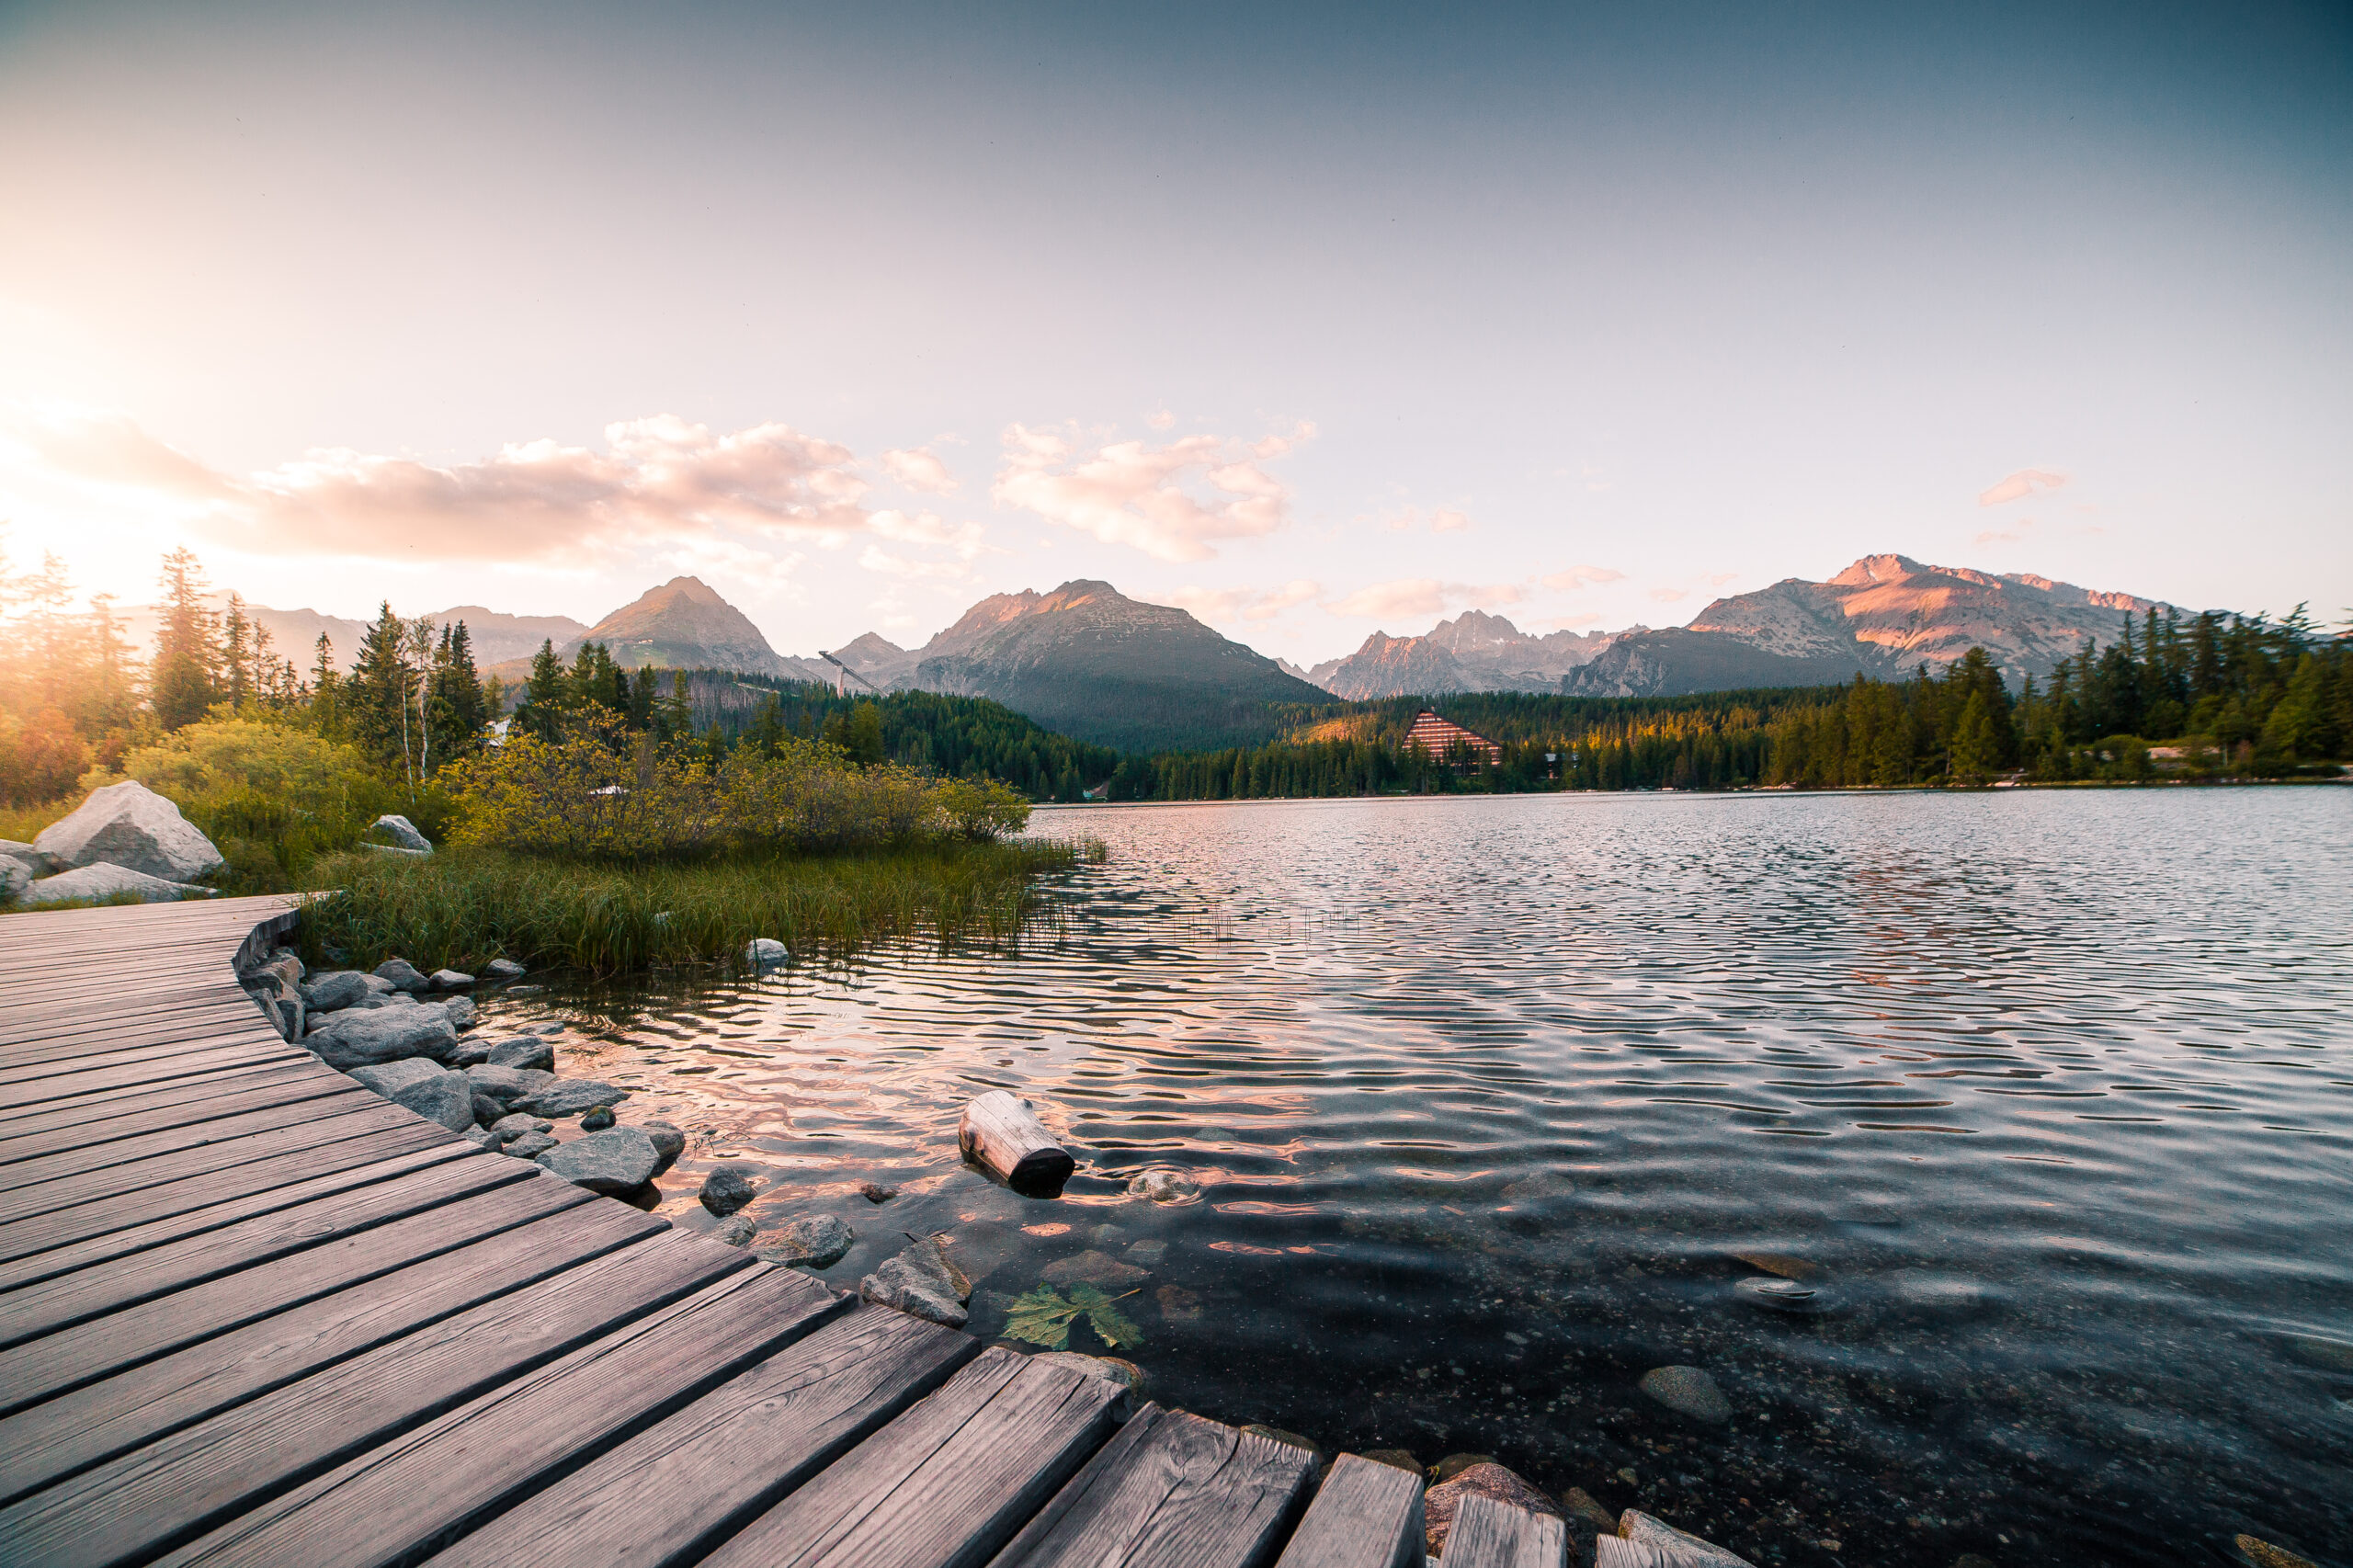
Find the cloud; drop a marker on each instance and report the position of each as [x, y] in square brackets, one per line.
[918, 470]
[929, 527]
[1160, 419]
[1582, 577]
[1443, 520]
[1170, 502]
[1667, 595]
[655, 481]
[1423, 595]
[2013, 534]
[1718, 579]
[2018, 486]
[1226, 606]
[876, 559]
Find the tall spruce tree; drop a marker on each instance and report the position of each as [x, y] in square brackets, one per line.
[375, 697]
[187, 657]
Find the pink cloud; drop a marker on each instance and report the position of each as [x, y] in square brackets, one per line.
[1668, 595]
[1174, 502]
[918, 470]
[2018, 486]
[1228, 607]
[1582, 577]
[1423, 595]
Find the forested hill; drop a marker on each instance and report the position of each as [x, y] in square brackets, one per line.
[960, 736]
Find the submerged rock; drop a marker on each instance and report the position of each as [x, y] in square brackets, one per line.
[1178, 1304]
[1687, 1391]
[1783, 1296]
[1584, 1505]
[130, 825]
[2319, 1350]
[1939, 1295]
[921, 1281]
[1783, 1264]
[1091, 1268]
[1162, 1184]
[819, 1241]
[2263, 1554]
[613, 1162]
[727, 1188]
[1485, 1479]
[875, 1192]
[764, 952]
[1678, 1547]
[597, 1119]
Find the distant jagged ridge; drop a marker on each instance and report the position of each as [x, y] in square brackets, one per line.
[1474, 652]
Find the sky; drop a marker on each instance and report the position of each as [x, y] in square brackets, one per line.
[1315, 320]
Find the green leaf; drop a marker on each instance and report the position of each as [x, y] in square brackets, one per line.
[1043, 1318]
[1116, 1331]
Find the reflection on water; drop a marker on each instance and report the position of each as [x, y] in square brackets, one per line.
[2046, 1096]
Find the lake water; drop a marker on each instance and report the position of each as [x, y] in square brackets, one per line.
[2053, 1091]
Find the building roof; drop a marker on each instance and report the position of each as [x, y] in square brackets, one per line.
[1438, 736]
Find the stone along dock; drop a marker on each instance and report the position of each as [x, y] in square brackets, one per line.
[253, 1313]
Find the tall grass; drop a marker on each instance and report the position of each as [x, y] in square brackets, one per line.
[460, 908]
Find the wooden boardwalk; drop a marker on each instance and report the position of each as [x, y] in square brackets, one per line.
[253, 1314]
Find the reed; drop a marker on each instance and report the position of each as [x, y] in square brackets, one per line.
[460, 908]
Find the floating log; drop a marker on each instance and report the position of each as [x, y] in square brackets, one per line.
[1002, 1135]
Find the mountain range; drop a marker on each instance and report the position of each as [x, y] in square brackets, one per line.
[1091, 663]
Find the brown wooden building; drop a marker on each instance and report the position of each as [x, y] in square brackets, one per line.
[1438, 736]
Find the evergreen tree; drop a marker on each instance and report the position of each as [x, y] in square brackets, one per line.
[187, 657]
[326, 692]
[375, 697]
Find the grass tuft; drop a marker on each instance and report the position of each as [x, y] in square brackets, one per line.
[460, 908]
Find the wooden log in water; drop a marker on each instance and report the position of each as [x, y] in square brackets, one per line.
[1002, 1135]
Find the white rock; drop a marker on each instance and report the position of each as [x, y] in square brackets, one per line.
[106, 881]
[128, 824]
[762, 951]
[401, 832]
[34, 862]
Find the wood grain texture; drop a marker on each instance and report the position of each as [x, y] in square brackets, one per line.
[50, 1244]
[59, 1436]
[164, 1070]
[309, 1261]
[669, 1496]
[106, 1185]
[56, 1303]
[57, 1164]
[1492, 1534]
[52, 1118]
[1171, 1491]
[1000, 1133]
[430, 1484]
[947, 1482]
[133, 1509]
[1364, 1515]
[135, 1134]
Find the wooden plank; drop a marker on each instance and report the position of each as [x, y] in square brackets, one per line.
[669, 1496]
[1171, 1491]
[98, 1346]
[58, 1164]
[946, 1484]
[51, 1244]
[30, 1032]
[148, 1068]
[48, 1080]
[41, 1446]
[433, 1483]
[133, 1509]
[213, 1109]
[69, 1299]
[1364, 1515]
[109, 1045]
[83, 1110]
[1488, 1533]
[98, 1186]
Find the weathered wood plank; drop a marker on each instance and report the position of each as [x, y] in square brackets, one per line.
[1171, 1491]
[69, 1299]
[1001, 1134]
[33, 1034]
[1364, 1515]
[433, 1483]
[96, 1186]
[51, 1244]
[99, 1343]
[105, 1105]
[946, 1484]
[197, 1109]
[92, 1424]
[1492, 1534]
[665, 1498]
[133, 1509]
[120, 1046]
[146, 1070]
[58, 1165]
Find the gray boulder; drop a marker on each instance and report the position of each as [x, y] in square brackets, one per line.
[480, 1138]
[400, 834]
[528, 1145]
[819, 1242]
[361, 1037]
[922, 1282]
[763, 952]
[596, 1119]
[449, 980]
[389, 1077]
[735, 1231]
[337, 989]
[616, 1161]
[524, 1050]
[401, 975]
[503, 969]
[513, 1126]
[436, 1093]
[508, 1084]
[384, 999]
[461, 1011]
[668, 1141]
[488, 1112]
[34, 862]
[728, 1188]
[277, 987]
[105, 881]
[470, 1053]
[14, 879]
[130, 825]
[569, 1096]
